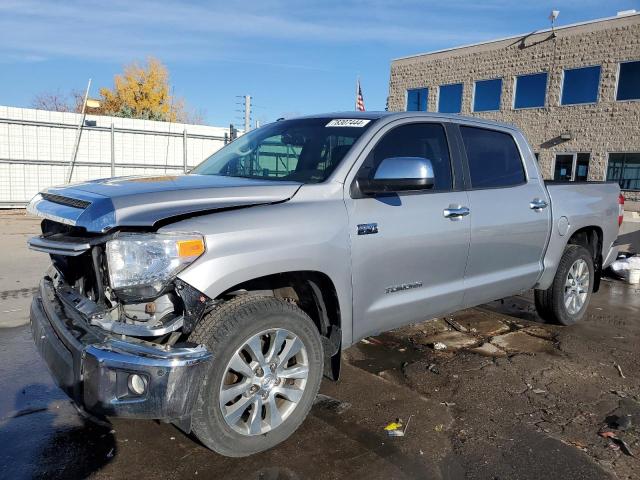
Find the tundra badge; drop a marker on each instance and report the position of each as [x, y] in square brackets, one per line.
[402, 286]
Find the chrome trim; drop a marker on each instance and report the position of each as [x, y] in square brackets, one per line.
[538, 204]
[137, 330]
[367, 228]
[454, 213]
[402, 286]
[56, 247]
[120, 353]
[93, 368]
[400, 168]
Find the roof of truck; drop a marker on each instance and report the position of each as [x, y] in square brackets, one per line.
[393, 115]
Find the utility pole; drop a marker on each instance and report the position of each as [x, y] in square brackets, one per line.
[244, 111]
[247, 113]
[79, 133]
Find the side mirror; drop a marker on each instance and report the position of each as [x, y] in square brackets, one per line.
[396, 174]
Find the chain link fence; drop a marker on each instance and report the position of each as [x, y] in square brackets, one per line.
[36, 147]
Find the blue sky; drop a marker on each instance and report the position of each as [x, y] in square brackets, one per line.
[293, 57]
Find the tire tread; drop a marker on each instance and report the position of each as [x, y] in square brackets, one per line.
[550, 302]
[214, 331]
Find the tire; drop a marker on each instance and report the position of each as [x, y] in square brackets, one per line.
[551, 304]
[225, 332]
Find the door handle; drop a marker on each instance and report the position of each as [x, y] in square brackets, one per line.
[537, 204]
[455, 213]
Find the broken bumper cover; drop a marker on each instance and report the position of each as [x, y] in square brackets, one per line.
[94, 369]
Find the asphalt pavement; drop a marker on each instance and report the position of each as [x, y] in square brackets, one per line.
[508, 398]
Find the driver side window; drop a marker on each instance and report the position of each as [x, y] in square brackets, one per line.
[425, 140]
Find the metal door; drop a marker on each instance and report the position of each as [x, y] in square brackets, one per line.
[409, 250]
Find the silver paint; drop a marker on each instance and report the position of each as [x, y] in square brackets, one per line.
[145, 201]
[398, 168]
[502, 247]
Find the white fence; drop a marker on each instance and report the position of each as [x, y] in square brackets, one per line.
[36, 148]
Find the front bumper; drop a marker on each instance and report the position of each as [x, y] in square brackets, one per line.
[94, 368]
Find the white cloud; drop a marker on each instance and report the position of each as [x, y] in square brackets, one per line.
[118, 30]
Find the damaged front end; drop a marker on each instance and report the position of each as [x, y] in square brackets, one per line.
[112, 321]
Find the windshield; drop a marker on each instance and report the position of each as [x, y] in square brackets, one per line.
[304, 150]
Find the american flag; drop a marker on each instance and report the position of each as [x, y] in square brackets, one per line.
[359, 99]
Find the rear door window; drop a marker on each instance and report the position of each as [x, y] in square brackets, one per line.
[493, 157]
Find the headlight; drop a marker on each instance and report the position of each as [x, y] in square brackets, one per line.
[147, 262]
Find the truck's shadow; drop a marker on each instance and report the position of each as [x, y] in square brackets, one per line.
[46, 439]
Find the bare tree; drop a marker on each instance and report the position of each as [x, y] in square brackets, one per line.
[76, 100]
[55, 101]
[193, 116]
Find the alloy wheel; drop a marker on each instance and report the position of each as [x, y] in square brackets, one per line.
[264, 381]
[576, 287]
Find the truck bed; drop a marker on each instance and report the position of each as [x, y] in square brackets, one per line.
[575, 205]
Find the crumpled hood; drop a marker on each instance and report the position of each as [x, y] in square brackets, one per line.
[101, 205]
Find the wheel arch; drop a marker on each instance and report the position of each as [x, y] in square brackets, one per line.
[312, 291]
[590, 238]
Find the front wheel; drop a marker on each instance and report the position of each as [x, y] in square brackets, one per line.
[566, 300]
[263, 379]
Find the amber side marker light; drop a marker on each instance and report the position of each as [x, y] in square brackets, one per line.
[190, 248]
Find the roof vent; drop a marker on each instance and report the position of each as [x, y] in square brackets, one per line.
[626, 12]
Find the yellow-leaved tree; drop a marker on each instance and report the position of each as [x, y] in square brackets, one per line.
[142, 91]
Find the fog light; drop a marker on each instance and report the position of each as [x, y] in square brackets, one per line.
[137, 384]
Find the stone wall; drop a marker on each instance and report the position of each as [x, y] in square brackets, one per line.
[607, 126]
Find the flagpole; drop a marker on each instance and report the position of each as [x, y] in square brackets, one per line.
[357, 90]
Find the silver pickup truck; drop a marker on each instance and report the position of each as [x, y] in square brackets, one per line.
[217, 300]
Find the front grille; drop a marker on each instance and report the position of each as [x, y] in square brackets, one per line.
[68, 201]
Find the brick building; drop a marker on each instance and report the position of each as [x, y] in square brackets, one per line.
[574, 91]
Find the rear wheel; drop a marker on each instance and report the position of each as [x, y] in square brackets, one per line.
[566, 300]
[264, 377]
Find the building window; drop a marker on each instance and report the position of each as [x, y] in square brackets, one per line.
[530, 90]
[580, 85]
[571, 167]
[624, 168]
[582, 167]
[493, 158]
[629, 81]
[450, 98]
[486, 95]
[563, 170]
[417, 99]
